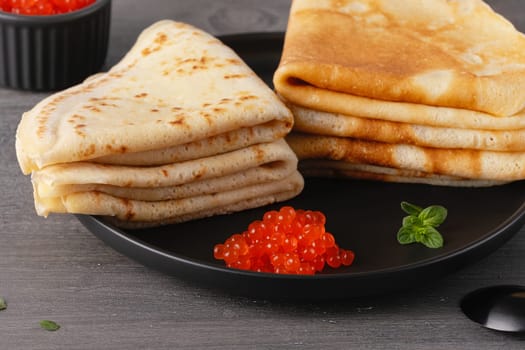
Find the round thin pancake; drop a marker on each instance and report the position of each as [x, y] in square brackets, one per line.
[331, 124]
[468, 164]
[334, 168]
[458, 54]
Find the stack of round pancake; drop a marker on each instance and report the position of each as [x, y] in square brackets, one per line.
[412, 91]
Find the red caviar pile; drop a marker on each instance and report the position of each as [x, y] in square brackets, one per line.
[43, 7]
[287, 241]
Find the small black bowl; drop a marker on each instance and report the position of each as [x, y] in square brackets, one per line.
[45, 53]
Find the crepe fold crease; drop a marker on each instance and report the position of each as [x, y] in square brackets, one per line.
[181, 128]
[425, 89]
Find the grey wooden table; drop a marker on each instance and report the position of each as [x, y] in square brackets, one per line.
[55, 269]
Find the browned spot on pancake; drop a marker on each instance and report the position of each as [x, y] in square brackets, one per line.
[130, 213]
[380, 153]
[259, 153]
[121, 149]
[90, 150]
[154, 110]
[248, 97]
[161, 38]
[234, 76]
[206, 104]
[199, 173]
[442, 161]
[79, 117]
[78, 130]
[178, 121]
[141, 95]
[233, 61]
[176, 109]
[225, 100]
[370, 129]
[350, 150]
[165, 172]
[149, 50]
[92, 108]
[107, 104]
[41, 130]
[218, 110]
[207, 116]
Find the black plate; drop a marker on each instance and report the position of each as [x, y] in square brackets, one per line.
[363, 216]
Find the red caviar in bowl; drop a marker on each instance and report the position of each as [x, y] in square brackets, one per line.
[287, 241]
[43, 7]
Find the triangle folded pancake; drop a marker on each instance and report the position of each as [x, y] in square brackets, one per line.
[181, 128]
[148, 196]
[458, 54]
[177, 85]
[135, 214]
[255, 164]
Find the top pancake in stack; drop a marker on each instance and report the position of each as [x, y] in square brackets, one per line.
[421, 91]
[180, 128]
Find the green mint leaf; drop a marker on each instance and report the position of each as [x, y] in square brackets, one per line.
[405, 235]
[3, 304]
[411, 208]
[419, 233]
[420, 225]
[433, 215]
[412, 221]
[49, 325]
[432, 238]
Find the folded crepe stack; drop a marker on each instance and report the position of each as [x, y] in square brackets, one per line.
[179, 129]
[412, 91]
